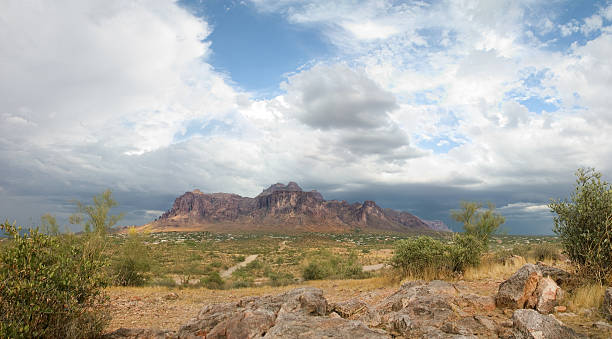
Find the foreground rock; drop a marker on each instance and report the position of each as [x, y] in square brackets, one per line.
[519, 290]
[417, 309]
[299, 313]
[533, 287]
[436, 309]
[529, 324]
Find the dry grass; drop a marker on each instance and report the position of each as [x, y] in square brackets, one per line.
[584, 297]
[491, 270]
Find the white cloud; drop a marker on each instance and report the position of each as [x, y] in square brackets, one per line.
[106, 71]
[369, 30]
[525, 207]
[607, 12]
[591, 24]
[101, 105]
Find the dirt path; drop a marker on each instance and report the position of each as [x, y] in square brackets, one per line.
[376, 267]
[227, 273]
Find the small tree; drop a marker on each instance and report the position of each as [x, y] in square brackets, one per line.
[49, 224]
[584, 224]
[132, 262]
[478, 222]
[97, 215]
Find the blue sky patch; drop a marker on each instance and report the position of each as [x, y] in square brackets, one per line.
[256, 49]
[538, 105]
[439, 145]
[202, 128]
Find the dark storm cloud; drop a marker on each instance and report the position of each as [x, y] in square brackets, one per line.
[435, 201]
[337, 97]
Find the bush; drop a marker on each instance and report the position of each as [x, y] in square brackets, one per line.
[315, 271]
[242, 283]
[132, 262]
[213, 281]
[280, 278]
[465, 252]
[584, 224]
[427, 257]
[325, 265]
[415, 256]
[51, 286]
[545, 252]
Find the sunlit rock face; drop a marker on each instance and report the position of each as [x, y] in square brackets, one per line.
[282, 208]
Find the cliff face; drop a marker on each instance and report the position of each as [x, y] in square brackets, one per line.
[281, 208]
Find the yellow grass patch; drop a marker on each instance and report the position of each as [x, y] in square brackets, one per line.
[587, 296]
[491, 270]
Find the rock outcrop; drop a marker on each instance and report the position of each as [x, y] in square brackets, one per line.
[281, 208]
[529, 324]
[529, 288]
[418, 309]
[436, 309]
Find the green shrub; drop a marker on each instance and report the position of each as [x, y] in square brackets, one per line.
[523, 250]
[325, 265]
[427, 257]
[131, 264]
[280, 278]
[242, 283]
[545, 251]
[213, 281]
[316, 271]
[584, 224]
[415, 256]
[51, 286]
[465, 252]
[254, 265]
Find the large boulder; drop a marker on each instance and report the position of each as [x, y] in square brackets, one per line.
[607, 304]
[532, 286]
[519, 290]
[436, 309]
[529, 324]
[548, 293]
[299, 313]
[560, 276]
[253, 317]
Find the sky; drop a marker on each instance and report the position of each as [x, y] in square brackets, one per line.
[416, 105]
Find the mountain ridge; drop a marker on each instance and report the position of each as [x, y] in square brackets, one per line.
[282, 208]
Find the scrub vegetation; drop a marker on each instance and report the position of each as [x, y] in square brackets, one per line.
[54, 284]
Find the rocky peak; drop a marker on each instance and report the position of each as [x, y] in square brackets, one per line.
[279, 187]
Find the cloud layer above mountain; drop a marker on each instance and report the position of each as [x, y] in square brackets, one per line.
[417, 105]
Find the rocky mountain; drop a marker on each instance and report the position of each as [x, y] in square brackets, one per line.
[281, 208]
